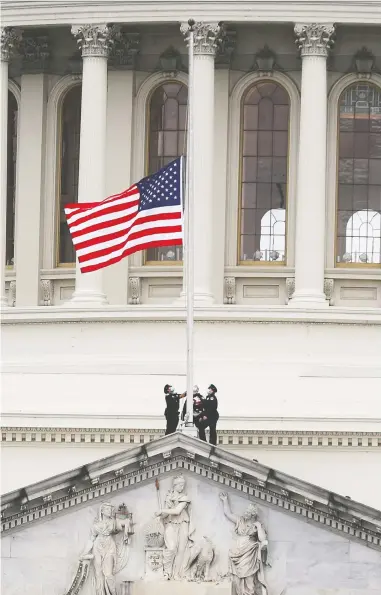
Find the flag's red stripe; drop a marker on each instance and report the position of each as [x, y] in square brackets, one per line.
[83, 206]
[102, 225]
[143, 246]
[118, 221]
[106, 211]
[132, 236]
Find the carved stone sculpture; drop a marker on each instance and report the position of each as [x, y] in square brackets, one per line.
[314, 39]
[248, 554]
[200, 560]
[104, 552]
[178, 530]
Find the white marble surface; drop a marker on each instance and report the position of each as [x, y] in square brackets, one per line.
[305, 559]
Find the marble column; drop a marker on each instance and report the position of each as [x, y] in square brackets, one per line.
[205, 47]
[10, 39]
[94, 41]
[314, 42]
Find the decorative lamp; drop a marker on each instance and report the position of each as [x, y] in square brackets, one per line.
[265, 59]
[170, 60]
[364, 61]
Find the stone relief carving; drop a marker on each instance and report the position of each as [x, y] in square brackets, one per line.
[47, 290]
[205, 37]
[124, 50]
[200, 560]
[134, 283]
[10, 41]
[106, 552]
[290, 287]
[178, 530]
[230, 290]
[171, 550]
[314, 39]
[94, 40]
[36, 52]
[12, 294]
[328, 290]
[248, 554]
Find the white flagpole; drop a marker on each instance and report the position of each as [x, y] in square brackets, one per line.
[189, 272]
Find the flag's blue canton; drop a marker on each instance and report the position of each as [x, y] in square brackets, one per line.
[162, 189]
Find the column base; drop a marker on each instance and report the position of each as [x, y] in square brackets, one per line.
[308, 300]
[86, 299]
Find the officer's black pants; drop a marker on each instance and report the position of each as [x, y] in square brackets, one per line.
[172, 421]
[201, 425]
[213, 432]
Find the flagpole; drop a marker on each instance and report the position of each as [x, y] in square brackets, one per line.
[189, 272]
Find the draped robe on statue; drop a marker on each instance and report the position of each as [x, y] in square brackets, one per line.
[245, 560]
[178, 532]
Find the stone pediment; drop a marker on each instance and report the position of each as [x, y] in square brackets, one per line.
[300, 534]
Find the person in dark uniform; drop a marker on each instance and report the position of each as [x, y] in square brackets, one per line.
[211, 411]
[200, 419]
[171, 412]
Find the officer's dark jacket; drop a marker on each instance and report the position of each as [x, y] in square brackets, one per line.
[172, 402]
[211, 406]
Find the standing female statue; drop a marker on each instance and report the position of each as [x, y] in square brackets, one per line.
[249, 551]
[109, 556]
[178, 530]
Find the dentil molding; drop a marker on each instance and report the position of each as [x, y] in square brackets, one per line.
[241, 439]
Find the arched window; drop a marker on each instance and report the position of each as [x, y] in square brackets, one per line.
[359, 176]
[167, 118]
[70, 127]
[273, 236]
[264, 171]
[363, 238]
[11, 179]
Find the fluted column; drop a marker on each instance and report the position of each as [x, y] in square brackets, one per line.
[10, 39]
[94, 41]
[205, 46]
[314, 41]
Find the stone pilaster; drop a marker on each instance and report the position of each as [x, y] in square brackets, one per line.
[10, 41]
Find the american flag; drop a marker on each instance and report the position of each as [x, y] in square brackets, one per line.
[146, 215]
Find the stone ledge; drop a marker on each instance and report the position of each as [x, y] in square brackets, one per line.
[172, 313]
[64, 12]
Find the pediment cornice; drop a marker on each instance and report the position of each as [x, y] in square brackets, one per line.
[171, 454]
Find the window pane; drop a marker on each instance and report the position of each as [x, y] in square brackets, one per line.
[264, 173]
[11, 179]
[359, 175]
[166, 142]
[69, 154]
[250, 142]
[249, 196]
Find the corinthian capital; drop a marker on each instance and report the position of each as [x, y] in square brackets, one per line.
[314, 39]
[205, 37]
[10, 40]
[93, 40]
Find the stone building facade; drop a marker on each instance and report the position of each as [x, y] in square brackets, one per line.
[287, 125]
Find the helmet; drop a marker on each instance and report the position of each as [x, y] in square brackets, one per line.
[166, 389]
[212, 387]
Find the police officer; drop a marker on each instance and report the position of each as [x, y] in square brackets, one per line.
[172, 400]
[211, 406]
[200, 419]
